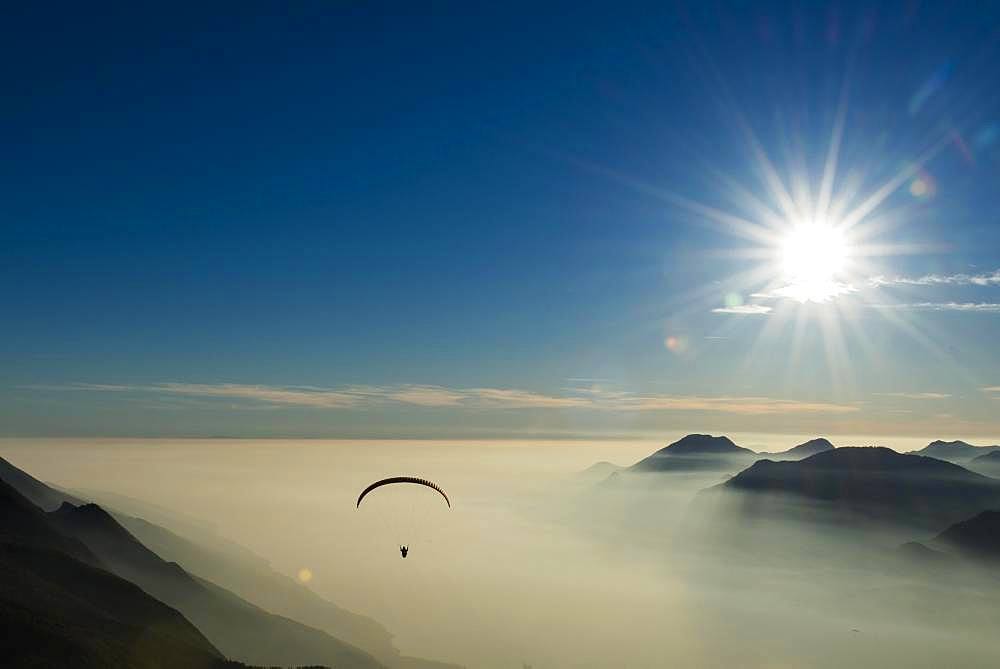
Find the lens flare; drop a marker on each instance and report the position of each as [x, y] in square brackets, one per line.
[675, 344]
[923, 186]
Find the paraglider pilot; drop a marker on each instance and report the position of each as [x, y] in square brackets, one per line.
[403, 550]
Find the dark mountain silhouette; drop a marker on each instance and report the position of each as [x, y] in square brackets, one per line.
[954, 451]
[41, 495]
[23, 523]
[697, 452]
[235, 568]
[876, 484]
[977, 537]
[239, 629]
[804, 450]
[196, 529]
[59, 611]
[701, 444]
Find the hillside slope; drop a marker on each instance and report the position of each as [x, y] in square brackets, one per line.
[58, 610]
[237, 628]
[978, 537]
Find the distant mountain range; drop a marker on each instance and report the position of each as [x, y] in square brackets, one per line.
[954, 451]
[233, 626]
[707, 453]
[876, 484]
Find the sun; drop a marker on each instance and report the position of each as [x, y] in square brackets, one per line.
[812, 252]
[814, 257]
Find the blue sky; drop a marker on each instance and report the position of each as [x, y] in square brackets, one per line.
[329, 220]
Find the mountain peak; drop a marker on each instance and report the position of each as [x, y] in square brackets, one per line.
[89, 513]
[811, 447]
[956, 442]
[697, 452]
[702, 444]
[600, 470]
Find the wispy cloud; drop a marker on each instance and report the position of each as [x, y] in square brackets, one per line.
[749, 309]
[431, 396]
[521, 399]
[289, 395]
[984, 307]
[808, 292]
[916, 396]
[737, 405]
[986, 279]
[619, 400]
[424, 396]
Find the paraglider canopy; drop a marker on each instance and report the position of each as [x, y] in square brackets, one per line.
[403, 479]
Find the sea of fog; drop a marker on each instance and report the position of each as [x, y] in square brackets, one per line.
[528, 567]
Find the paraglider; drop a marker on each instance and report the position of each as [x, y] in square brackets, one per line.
[403, 479]
[403, 548]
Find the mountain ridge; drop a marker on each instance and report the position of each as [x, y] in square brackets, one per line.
[953, 451]
[242, 575]
[237, 628]
[875, 483]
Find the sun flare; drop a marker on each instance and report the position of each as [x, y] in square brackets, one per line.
[814, 256]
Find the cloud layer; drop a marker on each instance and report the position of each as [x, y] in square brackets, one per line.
[431, 396]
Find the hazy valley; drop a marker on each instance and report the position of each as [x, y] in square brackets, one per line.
[847, 555]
